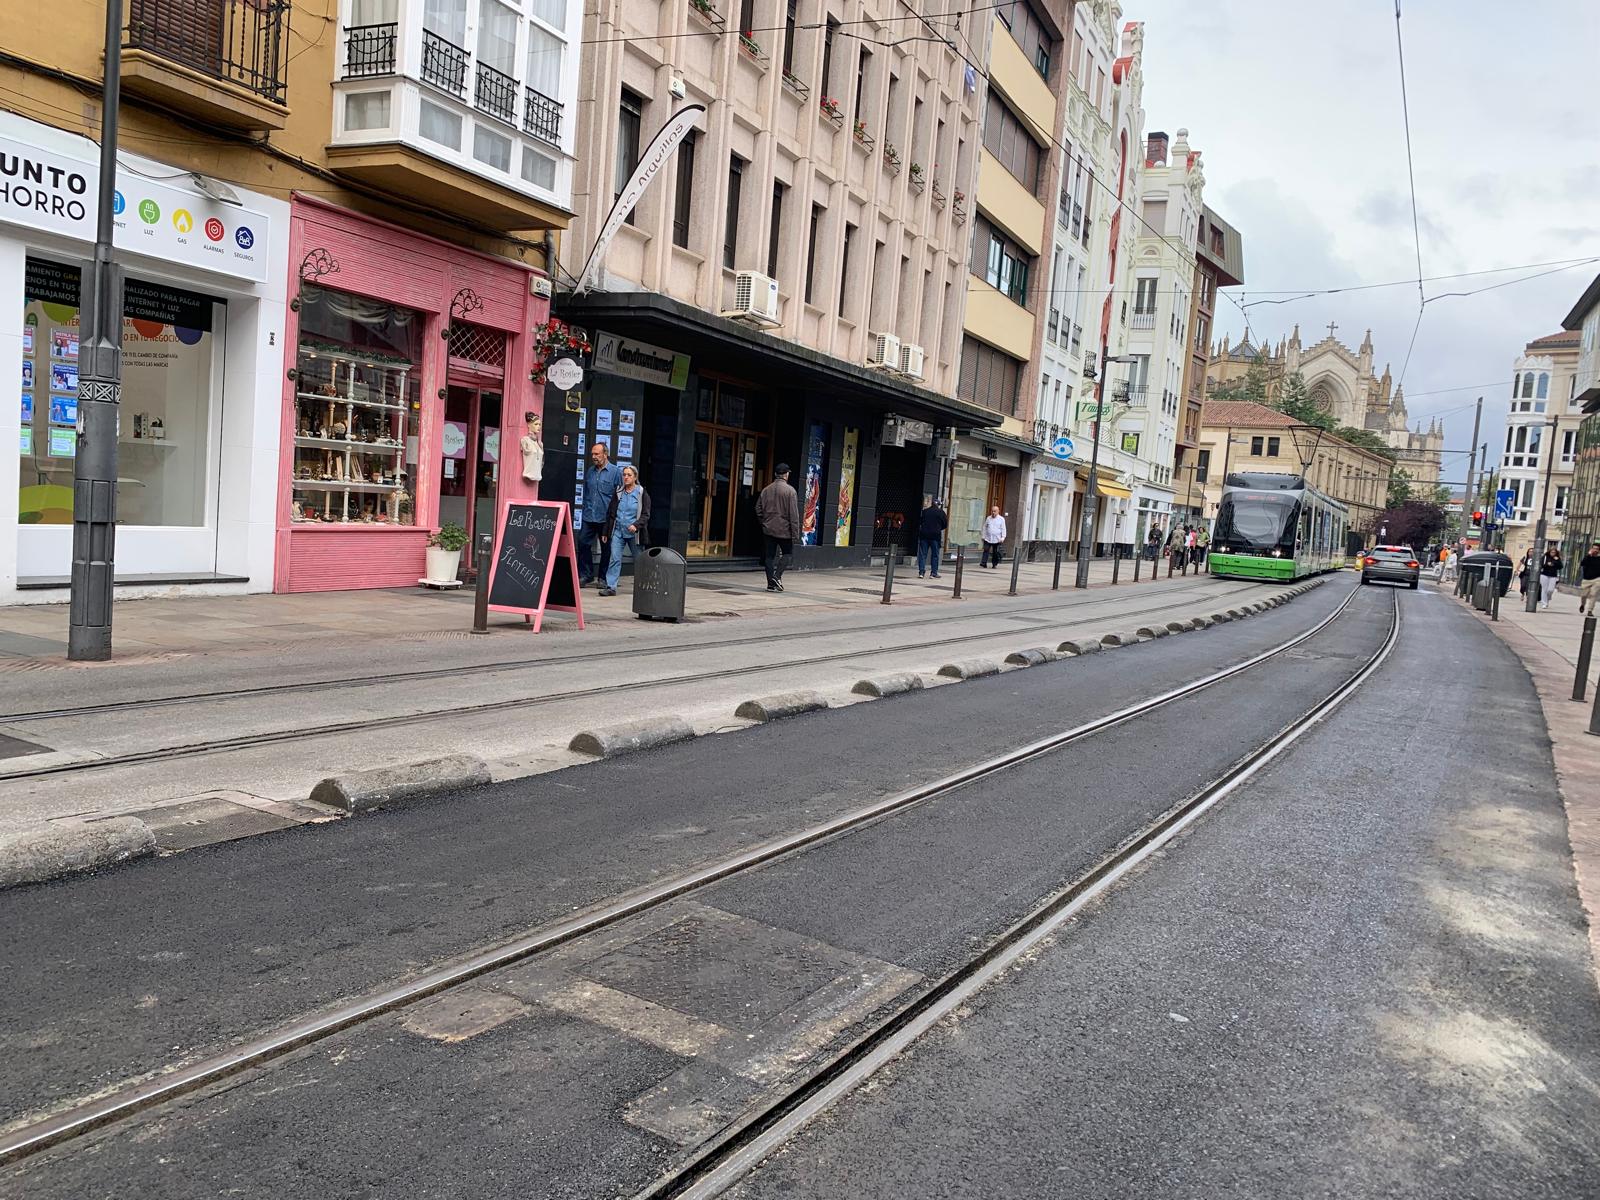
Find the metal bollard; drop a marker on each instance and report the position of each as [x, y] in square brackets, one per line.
[1594, 715]
[1585, 650]
[1138, 562]
[1055, 580]
[1170, 563]
[961, 561]
[480, 598]
[1494, 601]
[888, 571]
[1116, 564]
[1016, 567]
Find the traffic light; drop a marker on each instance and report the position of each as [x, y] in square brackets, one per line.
[1477, 516]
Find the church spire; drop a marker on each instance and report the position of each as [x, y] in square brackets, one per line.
[1294, 338]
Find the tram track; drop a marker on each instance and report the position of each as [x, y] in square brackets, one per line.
[337, 728]
[123, 1102]
[522, 664]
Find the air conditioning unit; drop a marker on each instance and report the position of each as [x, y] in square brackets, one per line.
[755, 299]
[1090, 360]
[883, 351]
[911, 361]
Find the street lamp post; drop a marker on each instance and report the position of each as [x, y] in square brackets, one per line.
[1091, 499]
[1540, 530]
[94, 465]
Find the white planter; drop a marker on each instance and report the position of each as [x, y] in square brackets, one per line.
[443, 564]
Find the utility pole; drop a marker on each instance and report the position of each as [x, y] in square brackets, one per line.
[94, 467]
[1472, 470]
[1540, 530]
[1091, 498]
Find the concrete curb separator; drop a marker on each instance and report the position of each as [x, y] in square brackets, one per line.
[896, 683]
[1154, 631]
[1126, 638]
[1030, 658]
[1179, 626]
[363, 791]
[52, 851]
[971, 668]
[1079, 646]
[784, 704]
[612, 740]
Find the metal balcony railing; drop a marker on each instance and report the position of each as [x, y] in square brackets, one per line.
[541, 116]
[444, 64]
[1134, 395]
[370, 50]
[237, 41]
[495, 93]
[1144, 320]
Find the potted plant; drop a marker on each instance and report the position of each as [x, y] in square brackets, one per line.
[444, 553]
[829, 107]
[916, 170]
[556, 339]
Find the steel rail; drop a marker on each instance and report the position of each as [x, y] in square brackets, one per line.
[522, 664]
[247, 741]
[120, 1103]
[718, 1164]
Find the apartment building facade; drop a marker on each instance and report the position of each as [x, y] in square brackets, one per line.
[330, 215]
[1219, 263]
[1540, 459]
[790, 288]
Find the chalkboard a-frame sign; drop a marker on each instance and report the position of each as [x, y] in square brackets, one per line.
[535, 561]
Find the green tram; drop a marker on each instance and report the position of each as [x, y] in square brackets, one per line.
[1273, 526]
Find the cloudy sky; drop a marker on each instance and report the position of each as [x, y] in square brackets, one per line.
[1296, 108]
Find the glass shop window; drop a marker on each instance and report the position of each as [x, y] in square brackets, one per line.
[171, 389]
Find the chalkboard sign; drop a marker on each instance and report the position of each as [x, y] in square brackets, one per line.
[535, 561]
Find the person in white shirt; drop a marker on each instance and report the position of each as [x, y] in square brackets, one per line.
[994, 537]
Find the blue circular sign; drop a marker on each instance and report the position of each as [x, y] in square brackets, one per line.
[118, 203]
[1061, 447]
[244, 237]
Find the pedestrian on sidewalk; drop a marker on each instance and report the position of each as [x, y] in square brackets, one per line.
[600, 484]
[1451, 564]
[1202, 544]
[1589, 580]
[1549, 575]
[778, 510]
[994, 537]
[627, 526]
[930, 536]
[1525, 571]
[1152, 547]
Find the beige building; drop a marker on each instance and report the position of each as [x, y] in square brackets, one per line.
[794, 278]
[1239, 436]
[1342, 383]
[1541, 438]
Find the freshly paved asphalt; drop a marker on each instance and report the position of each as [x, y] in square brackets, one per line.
[111, 976]
[1366, 976]
[582, 1075]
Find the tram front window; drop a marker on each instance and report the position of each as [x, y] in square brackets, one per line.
[1256, 521]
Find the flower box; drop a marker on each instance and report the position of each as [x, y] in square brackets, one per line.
[707, 12]
[753, 48]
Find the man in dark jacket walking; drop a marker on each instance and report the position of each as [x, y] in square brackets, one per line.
[930, 536]
[778, 510]
[1589, 580]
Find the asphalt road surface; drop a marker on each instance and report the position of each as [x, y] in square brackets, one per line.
[1343, 982]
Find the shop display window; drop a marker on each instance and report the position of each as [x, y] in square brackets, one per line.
[356, 410]
[170, 376]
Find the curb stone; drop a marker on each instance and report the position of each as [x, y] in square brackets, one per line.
[1220, 618]
[51, 851]
[1154, 631]
[894, 684]
[784, 704]
[1122, 639]
[612, 740]
[1030, 658]
[970, 668]
[1079, 646]
[1180, 626]
[1200, 622]
[363, 791]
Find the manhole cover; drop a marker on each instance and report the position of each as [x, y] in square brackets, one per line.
[738, 977]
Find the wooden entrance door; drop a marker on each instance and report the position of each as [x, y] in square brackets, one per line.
[730, 468]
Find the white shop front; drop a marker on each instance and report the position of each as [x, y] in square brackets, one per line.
[197, 460]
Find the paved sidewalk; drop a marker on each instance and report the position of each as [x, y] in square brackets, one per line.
[1547, 642]
[156, 630]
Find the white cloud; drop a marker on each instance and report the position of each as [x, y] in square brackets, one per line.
[1297, 110]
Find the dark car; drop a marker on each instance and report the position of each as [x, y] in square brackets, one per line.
[1391, 564]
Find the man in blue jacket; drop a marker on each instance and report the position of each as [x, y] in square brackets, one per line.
[600, 484]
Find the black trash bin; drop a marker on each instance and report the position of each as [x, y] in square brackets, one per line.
[660, 578]
[1490, 565]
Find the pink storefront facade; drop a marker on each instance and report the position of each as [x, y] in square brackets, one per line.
[406, 386]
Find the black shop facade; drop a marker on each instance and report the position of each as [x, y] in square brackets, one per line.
[705, 408]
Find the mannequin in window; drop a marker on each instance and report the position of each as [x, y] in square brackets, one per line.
[532, 450]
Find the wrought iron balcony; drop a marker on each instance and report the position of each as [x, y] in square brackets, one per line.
[541, 116]
[444, 64]
[495, 93]
[240, 42]
[370, 50]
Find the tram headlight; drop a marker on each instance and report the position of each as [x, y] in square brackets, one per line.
[1223, 550]
[1277, 553]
